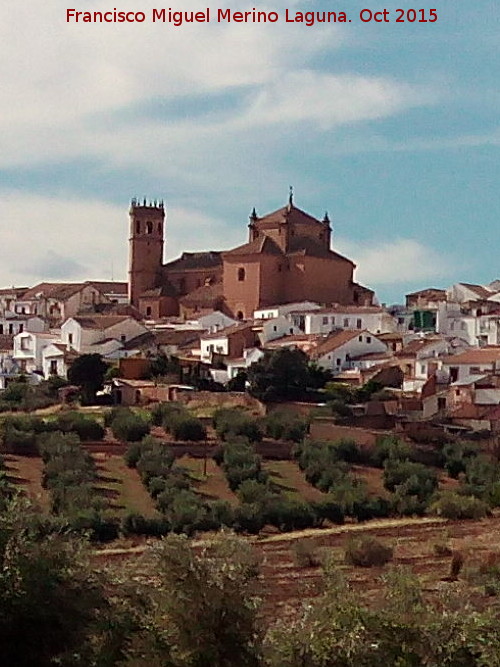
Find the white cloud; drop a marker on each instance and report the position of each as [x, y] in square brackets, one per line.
[64, 83]
[398, 261]
[69, 239]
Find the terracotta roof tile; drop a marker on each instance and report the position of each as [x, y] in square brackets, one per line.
[100, 322]
[195, 260]
[263, 244]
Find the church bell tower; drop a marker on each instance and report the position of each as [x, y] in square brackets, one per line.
[145, 247]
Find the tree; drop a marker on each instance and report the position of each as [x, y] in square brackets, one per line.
[280, 375]
[51, 601]
[88, 371]
[208, 599]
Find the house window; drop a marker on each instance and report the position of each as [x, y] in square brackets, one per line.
[241, 274]
[360, 338]
[11, 329]
[333, 321]
[70, 339]
[325, 320]
[239, 315]
[275, 328]
[21, 328]
[1, 328]
[123, 338]
[358, 324]
[422, 369]
[339, 361]
[346, 322]
[368, 339]
[148, 311]
[53, 367]
[149, 227]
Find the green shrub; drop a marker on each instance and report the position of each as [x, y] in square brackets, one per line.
[189, 428]
[305, 553]
[248, 518]
[130, 427]
[86, 427]
[234, 422]
[281, 425]
[328, 510]
[137, 524]
[367, 551]
[22, 443]
[413, 479]
[390, 447]
[240, 463]
[451, 505]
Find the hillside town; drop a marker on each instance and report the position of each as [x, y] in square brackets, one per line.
[214, 314]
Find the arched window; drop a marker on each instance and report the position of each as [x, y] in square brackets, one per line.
[137, 227]
[148, 311]
[149, 227]
[239, 315]
[241, 274]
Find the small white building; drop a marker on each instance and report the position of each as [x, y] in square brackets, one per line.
[478, 361]
[336, 351]
[83, 333]
[277, 327]
[271, 312]
[28, 349]
[324, 320]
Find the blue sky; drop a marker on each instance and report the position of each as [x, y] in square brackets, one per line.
[392, 128]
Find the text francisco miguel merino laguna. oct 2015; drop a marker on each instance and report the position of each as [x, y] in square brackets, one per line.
[210, 15]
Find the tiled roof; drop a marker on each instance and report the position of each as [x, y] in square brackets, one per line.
[206, 295]
[228, 331]
[289, 213]
[53, 290]
[99, 321]
[355, 310]
[142, 340]
[334, 341]
[263, 244]
[430, 292]
[481, 291]
[481, 355]
[110, 286]
[414, 346]
[176, 336]
[305, 245]
[166, 289]
[195, 260]
[373, 356]
[15, 291]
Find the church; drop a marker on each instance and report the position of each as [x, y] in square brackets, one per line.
[287, 258]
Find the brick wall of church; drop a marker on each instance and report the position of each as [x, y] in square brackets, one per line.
[241, 285]
[188, 280]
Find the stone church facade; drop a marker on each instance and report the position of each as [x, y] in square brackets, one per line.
[287, 258]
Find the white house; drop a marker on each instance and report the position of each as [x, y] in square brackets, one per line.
[81, 333]
[274, 328]
[324, 320]
[336, 351]
[12, 324]
[476, 361]
[271, 312]
[28, 348]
